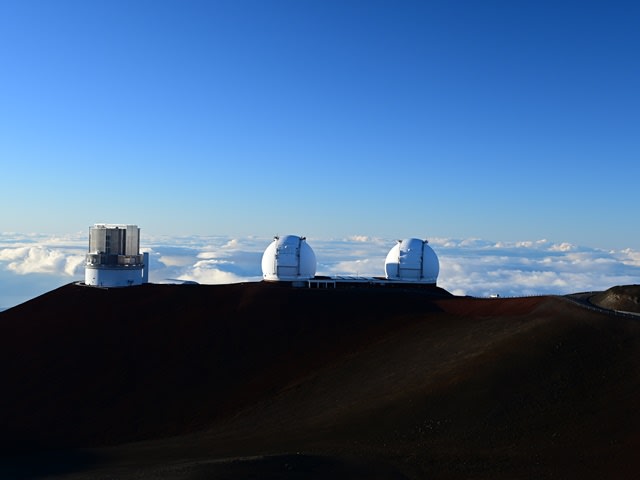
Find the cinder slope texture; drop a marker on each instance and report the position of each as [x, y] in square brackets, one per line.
[233, 381]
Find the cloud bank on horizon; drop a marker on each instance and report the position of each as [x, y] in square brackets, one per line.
[34, 264]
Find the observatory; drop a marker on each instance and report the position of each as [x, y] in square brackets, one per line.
[289, 259]
[412, 260]
[114, 258]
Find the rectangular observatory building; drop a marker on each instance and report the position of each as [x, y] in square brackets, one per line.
[114, 258]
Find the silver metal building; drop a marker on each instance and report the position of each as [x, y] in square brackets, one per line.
[114, 258]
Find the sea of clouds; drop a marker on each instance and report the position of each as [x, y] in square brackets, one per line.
[33, 264]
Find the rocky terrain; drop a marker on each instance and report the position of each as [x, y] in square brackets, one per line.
[625, 298]
[264, 381]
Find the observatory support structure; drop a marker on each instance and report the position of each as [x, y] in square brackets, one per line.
[114, 258]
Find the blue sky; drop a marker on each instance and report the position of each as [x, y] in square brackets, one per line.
[497, 120]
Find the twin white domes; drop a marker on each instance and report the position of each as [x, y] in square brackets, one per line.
[290, 258]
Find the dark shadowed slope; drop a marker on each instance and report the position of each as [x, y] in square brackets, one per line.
[98, 366]
[297, 383]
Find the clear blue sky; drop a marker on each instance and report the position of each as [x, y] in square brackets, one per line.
[505, 120]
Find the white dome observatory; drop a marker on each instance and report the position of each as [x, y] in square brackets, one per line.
[114, 258]
[412, 260]
[289, 259]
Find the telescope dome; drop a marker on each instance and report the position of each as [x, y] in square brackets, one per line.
[412, 260]
[288, 258]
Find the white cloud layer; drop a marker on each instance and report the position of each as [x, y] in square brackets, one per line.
[32, 264]
[40, 259]
[26, 254]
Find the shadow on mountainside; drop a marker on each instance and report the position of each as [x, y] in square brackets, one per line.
[230, 381]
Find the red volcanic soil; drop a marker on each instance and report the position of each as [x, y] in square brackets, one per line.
[264, 381]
